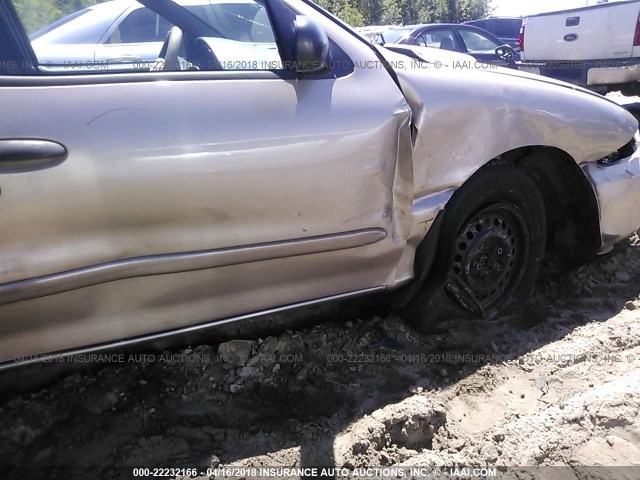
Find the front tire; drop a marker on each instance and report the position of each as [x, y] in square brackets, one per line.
[489, 252]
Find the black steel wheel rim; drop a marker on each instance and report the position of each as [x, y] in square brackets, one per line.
[489, 253]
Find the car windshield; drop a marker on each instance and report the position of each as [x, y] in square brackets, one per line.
[56, 24]
[84, 26]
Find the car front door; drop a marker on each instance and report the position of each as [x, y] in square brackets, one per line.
[141, 202]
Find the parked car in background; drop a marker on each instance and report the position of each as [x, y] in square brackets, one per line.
[393, 34]
[480, 44]
[139, 205]
[597, 46]
[372, 30]
[507, 29]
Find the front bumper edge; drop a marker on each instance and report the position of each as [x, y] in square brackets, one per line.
[617, 188]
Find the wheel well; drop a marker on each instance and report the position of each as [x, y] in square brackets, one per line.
[573, 227]
[571, 209]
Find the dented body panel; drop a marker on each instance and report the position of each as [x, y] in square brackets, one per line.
[480, 114]
[171, 213]
[616, 187]
[495, 112]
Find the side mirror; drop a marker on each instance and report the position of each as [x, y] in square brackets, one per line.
[312, 46]
[506, 52]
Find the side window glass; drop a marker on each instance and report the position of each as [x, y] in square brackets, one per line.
[141, 25]
[477, 43]
[118, 36]
[441, 38]
[243, 37]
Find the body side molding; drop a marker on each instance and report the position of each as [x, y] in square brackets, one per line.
[182, 262]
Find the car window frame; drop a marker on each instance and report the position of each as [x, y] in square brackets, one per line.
[36, 76]
[18, 46]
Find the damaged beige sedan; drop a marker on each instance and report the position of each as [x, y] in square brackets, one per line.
[277, 159]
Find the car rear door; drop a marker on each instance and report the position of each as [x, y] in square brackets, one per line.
[190, 196]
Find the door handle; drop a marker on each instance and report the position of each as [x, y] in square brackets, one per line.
[27, 155]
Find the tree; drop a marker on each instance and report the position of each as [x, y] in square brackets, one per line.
[472, 10]
[36, 14]
[349, 13]
[392, 12]
[371, 10]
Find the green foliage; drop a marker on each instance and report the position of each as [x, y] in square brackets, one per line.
[348, 12]
[409, 12]
[392, 12]
[472, 9]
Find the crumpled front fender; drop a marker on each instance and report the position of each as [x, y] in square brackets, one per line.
[463, 118]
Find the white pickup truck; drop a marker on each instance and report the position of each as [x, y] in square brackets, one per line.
[595, 46]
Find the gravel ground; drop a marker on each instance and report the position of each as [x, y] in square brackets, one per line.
[557, 386]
